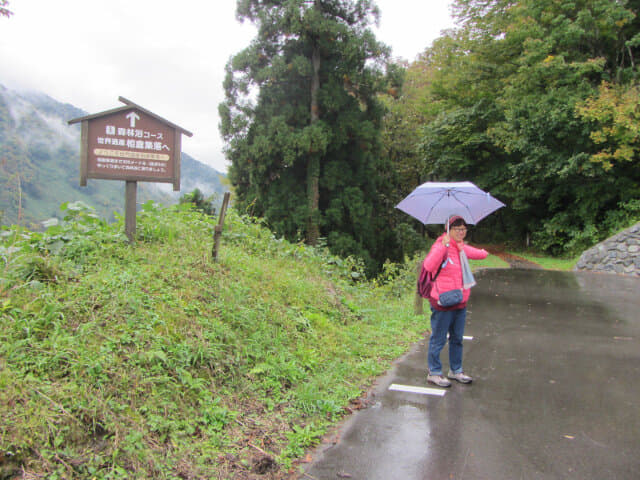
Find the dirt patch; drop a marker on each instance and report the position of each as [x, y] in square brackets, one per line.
[264, 464]
[514, 261]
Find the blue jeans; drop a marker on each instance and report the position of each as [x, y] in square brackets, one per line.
[452, 322]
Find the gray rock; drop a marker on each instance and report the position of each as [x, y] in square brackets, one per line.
[619, 254]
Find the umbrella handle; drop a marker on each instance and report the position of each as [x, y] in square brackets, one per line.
[447, 244]
[448, 241]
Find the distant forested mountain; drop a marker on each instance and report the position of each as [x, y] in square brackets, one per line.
[40, 165]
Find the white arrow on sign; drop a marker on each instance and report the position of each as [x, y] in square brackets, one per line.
[133, 116]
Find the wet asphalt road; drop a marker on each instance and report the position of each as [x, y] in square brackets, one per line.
[556, 395]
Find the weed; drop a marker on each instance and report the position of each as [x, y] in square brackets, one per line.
[300, 438]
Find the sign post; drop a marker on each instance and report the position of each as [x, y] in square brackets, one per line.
[131, 192]
[218, 228]
[132, 144]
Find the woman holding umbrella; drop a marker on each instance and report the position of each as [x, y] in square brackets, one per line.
[434, 203]
[449, 253]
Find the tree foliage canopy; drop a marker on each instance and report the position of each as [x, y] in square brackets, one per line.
[4, 10]
[536, 101]
[302, 120]
[533, 100]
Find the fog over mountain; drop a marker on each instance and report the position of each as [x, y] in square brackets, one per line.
[40, 165]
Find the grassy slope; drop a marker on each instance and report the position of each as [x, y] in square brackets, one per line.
[153, 362]
[550, 263]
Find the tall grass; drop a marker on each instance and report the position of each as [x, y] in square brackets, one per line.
[150, 361]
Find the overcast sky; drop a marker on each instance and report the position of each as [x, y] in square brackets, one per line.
[166, 56]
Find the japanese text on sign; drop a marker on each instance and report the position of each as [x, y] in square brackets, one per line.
[133, 144]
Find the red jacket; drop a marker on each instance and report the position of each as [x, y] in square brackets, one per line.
[450, 277]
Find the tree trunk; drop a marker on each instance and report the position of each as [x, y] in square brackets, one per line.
[313, 165]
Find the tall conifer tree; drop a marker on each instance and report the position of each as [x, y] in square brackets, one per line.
[301, 120]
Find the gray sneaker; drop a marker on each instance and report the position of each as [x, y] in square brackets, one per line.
[460, 377]
[438, 380]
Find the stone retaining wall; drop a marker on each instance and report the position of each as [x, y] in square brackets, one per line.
[618, 254]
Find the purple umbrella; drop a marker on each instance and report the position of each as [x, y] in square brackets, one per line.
[436, 202]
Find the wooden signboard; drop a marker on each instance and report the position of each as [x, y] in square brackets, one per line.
[132, 144]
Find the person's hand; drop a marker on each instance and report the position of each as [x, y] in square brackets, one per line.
[446, 240]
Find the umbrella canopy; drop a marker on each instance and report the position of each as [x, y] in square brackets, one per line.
[436, 202]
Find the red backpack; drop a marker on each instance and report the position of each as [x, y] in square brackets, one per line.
[425, 281]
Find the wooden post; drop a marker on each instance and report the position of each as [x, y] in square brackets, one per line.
[176, 164]
[84, 152]
[218, 228]
[130, 210]
[418, 302]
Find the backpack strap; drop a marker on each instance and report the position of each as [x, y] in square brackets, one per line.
[446, 257]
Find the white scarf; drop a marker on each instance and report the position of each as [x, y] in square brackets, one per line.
[467, 277]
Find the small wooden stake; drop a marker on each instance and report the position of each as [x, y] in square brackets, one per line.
[418, 302]
[130, 210]
[218, 228]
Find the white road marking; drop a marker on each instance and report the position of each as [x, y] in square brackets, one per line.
[421, 390]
